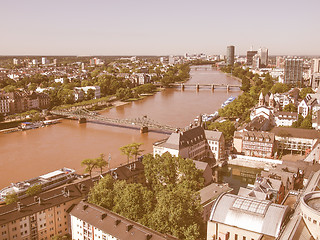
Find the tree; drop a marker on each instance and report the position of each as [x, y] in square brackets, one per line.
[304, 91]
[100, 162]
[89, 164]
[227, 128]
[280, 88]
[290, 108]
[307, 122]
[167, 170]
[126, 150]
[133, 201]
[178, 212]
[245, 84]
[297, 123]
[90, 94]
[33, 190]
[102, 193]
[11, 198]
[135, 149]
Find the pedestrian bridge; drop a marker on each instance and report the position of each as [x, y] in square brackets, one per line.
[144, 123]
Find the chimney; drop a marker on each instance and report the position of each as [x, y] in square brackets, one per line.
[149, 236]
[85, 207]
[118, 221]
[129, 227]
[103, 216]
[39, 200]
[19, 206]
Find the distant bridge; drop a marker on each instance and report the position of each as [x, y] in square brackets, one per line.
[197, 86]
[144, 123]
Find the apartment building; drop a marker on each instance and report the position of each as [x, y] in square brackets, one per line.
[42, 216]
[89, 221]
[254, 143]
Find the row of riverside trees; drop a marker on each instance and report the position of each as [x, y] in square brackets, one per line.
[168, 203]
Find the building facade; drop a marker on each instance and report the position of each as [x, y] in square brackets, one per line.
[89, 221]
[293, 71]
[42, 216]
[243, 218]
[230, 55]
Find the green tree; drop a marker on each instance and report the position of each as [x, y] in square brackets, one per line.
[33, 190]
[307, 122]
[135, 149]
[290, 108]
[126, 150]
[11, 198]
[90, 94]
[102, 193]
[178, 212]
[280, 88]
[133, 201]
[100, 162]
[169, 171]
[245, 84]
[89, 164]
[304, 91]
[297, 123]
[226, 127]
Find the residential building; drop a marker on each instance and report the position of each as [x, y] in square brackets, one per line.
[89, 221]
[96, 89]
[5, 102]
[44, 61]
[78, 95]
[216, 144]
[285, 119]
[250, 55]
[293, 71]
[306, 105]
[42, 216]
[206, 171]
[194, 143]
[253, 143]
[131, 173]
[230, 55]
[264, 188]
[209, 194]
[295, 139]
[241, 218]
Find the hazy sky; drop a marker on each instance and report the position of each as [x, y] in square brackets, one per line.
[148, 27]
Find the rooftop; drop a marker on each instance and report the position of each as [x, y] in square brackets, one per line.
[247, 213]
[114, 224]
[296, 132]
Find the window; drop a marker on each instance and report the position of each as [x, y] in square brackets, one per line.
[236, 237]
[244, 238]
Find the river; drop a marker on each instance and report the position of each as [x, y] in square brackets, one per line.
[27, 154]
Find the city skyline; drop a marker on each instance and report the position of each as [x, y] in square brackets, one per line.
[157, 28]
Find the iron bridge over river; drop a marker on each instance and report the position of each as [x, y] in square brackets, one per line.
[144, 123]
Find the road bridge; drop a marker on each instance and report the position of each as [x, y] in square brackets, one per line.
[144, 123]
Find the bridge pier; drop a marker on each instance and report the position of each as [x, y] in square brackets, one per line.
[82, 120]
[182, 87]
[212, 87]
[228, 88]
[144, 129]
[197, 87]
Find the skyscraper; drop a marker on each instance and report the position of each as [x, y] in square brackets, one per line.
[250, 55]
[293, 71]
[263, 53]
[230, 55]
[316, 65]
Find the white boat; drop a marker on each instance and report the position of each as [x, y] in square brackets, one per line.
[228, 101]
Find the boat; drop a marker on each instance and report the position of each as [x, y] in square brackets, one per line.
[228, 101]
[47, 181]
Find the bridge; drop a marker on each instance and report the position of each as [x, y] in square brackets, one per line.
[197, 86]
[144, 123]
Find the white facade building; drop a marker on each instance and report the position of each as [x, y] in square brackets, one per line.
[97, 93]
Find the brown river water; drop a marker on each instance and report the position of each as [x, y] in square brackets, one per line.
[27, 154]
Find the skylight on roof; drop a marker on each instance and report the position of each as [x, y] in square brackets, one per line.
[250, 205]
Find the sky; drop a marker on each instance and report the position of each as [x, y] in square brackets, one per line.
[149, 27]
